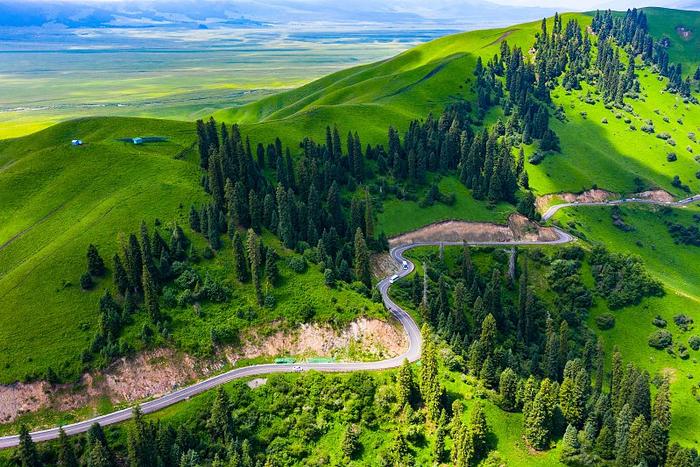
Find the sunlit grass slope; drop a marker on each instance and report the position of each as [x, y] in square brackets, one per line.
[57, 199]
[678, 267]
[371, 97]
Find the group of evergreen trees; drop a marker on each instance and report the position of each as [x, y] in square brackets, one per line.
[545, 363]
[631, 31]
[140, 268]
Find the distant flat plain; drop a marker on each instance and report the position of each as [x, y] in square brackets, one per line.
[47, 76]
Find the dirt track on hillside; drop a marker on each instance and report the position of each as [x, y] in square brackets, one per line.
[518, 228]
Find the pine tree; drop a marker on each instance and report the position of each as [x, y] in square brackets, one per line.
[27, 453]
[478, 429]
[141, 446]
[440, 433]
[220, 423]
[253, 247]
[150, 296]
[571, 448]
[508, 390]
[573, 393]
[95, 265]
[429, 383]
[636, 443]
[271, 271]
[369, 217]
[98, 456]
[256, 215]
[362, 267]
[284, 228]
[405, 385]
[121, 280]
[538, 422]
[133, 263]
[239, 259]
[66, 454]
[656, 444]
[622, 431]
[662, 406]
[350, 443]
[605, 443]
[550, 360]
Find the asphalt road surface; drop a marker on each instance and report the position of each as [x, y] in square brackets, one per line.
[404, 267]
[683, 202]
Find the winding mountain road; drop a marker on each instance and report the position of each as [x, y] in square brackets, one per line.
[410, 327]
[683, 202]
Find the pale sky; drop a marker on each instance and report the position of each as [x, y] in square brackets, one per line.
[436, 4]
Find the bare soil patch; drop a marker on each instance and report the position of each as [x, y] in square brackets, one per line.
[589, 196]
[383, 265]
[371, 338]
[155, 373]
[655, 195]
[597, 196]
[518, 228]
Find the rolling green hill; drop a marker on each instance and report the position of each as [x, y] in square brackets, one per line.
[57, 198]
[369, 98]
[683, 30]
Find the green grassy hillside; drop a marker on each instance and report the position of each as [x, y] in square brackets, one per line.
[677, 266]
[683, 30]
[371, 97]
[57, 199]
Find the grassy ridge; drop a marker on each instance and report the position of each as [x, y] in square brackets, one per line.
[422, 80]
[369, 98]
[61, 198]
[667, 22]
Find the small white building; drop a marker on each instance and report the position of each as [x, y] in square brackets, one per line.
[77, 142]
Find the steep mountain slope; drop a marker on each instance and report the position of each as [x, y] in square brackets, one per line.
[369, 98]
[58, 198]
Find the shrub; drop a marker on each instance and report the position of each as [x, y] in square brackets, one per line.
[694, 342]
[207, 253]
[213, 290]
[189, 279]
[671, 157]
[659, 322]
[86, 281]
[169, 297]
[536, 158]
[185, 298]
[329, 277]
[647, 128]
[683, 352]
[663, 135]
[660, 339]
[605, 321]
[297, 265]
[604, 121]
[683, 321]
[224, 333]
[270, 301]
